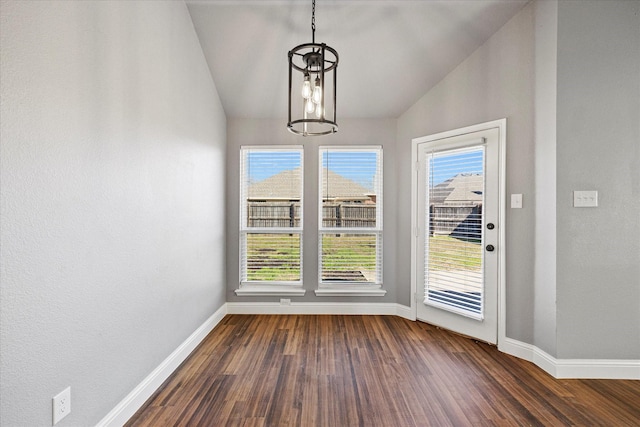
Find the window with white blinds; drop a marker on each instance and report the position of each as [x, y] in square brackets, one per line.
[271, 215]
[350, 215]
[454, 266]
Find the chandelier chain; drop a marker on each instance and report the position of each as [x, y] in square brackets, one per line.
[313, 21]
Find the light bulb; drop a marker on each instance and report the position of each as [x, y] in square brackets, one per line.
[309, 106]
[306, 88]
[317, 92]
[318, 110]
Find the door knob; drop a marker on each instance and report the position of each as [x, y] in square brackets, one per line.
[490, 226]
[490, 248]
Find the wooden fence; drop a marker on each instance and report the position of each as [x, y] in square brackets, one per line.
[287, 214]
[343, 215]
[273, 214]
[462, 221]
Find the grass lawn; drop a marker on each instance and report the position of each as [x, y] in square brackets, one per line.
[449, 253]
[273, 257]
[276, 257]
[349, 257]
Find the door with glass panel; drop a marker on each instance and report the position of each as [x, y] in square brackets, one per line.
[457, 245]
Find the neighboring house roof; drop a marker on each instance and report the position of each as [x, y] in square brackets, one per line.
[282, 186]
[462, 188]
[286, 186]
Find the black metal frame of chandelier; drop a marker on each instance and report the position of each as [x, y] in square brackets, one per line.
[322, 48]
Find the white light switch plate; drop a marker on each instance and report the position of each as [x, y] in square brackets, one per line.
[585, 199]
[516, 201]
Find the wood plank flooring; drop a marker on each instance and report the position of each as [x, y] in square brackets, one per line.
[371, 371]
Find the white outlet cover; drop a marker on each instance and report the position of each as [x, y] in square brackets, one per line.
[61, 405]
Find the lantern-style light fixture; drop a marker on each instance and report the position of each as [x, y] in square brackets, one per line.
[313, 70]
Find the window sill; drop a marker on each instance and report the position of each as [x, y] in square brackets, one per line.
[355, 292]
[269, 291]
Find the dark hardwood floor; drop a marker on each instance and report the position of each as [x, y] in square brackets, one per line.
[371, 371]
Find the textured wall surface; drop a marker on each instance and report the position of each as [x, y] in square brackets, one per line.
[496, 81]
[598, 282]
[112, 200]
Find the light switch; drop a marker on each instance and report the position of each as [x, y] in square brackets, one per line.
[516, 201]
[585, 199]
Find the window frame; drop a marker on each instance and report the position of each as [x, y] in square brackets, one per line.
[267, 287]
[341, 287]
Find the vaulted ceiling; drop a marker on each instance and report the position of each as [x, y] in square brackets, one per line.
[391, 52]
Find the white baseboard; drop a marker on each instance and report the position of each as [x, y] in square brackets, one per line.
[345, 308]
[572, 368]
[404, 311]
[119, 415]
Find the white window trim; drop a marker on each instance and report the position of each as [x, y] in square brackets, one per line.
[270, 288]
[344, 288]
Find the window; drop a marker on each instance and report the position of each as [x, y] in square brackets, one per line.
[350, 218]
[271, 209]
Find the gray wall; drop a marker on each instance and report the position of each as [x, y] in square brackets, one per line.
[352, 132]
[566, 75]
[496, 81]
[598, 249]
[112, 196]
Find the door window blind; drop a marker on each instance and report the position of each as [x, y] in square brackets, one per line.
[454, 257]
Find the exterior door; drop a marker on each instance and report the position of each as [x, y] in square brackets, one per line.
[457, 243]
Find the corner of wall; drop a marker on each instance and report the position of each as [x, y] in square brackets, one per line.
[545, 117]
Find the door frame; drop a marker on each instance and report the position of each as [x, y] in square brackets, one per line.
[501, 125]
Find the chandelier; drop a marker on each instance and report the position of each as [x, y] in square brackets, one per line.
[312, 71]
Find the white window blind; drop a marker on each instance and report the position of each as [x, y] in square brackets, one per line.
[454, 265]
[350, 215]
[271, 207]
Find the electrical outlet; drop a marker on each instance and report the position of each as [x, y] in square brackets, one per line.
[61, 405]
[285, 301]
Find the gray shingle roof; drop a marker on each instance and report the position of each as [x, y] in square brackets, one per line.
[462, 188]
[282, 186]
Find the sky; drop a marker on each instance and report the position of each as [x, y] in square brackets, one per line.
[360, 166]
[445, 165]
[262, 165]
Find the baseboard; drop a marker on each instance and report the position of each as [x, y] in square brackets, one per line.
[119, 415]
[572, 368]
[404, 311]
[390, 309]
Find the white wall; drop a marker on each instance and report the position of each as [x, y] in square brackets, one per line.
[598, 282]
[496, 81]
[112, 191]
[353, 132]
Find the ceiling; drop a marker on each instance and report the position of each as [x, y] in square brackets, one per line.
[391, 52]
